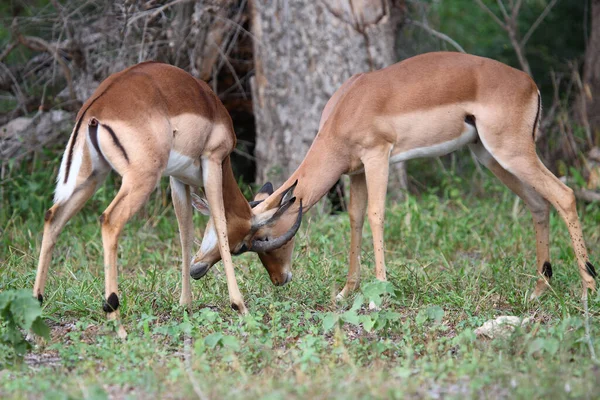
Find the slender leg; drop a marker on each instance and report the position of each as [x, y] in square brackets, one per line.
[132, 195]
[213, 184]
[356, 212]
[528, 168]
[56, 218]
[182, 203]
[540, 212]
[376, 173]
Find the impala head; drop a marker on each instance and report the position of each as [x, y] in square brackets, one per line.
[261, 234]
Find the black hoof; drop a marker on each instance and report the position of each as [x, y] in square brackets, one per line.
[547, 270]
[111, 304]
[590, 269]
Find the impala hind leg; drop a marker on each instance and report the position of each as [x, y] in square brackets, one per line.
[540, 212]
[528, 168]
[356, 212]
[55, 219]
[182, 202]
[134, 192]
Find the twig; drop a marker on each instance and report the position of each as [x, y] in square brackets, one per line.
[155, 11]
[538, 21]
[17, 88]
[10, 47]
[231, 69]
[39, 44]
[437, 34]
[586, 320]
[491, 13]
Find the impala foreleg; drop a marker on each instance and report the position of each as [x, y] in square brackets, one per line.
[356, 212]
[376, 173]
[132, 195]
[182, 202]
[55, 219]
[540, 212]
[213, 185]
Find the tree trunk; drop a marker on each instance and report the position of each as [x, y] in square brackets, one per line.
[303, 51]
[591, 75]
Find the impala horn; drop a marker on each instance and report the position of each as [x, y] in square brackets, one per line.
[262, 246]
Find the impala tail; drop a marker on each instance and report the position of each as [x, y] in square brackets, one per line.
[70, 165]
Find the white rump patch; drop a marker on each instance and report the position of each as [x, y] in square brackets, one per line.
[64, 190]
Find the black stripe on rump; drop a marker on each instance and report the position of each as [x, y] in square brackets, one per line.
[537, 116]
[116, 141]
[70, 154]
[77, 126]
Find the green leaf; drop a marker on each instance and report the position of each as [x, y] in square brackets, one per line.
[40, 328]
[213, 339]
[329, 321]
[536, 346]
[351, 317]
[230, 341]
[358, 301]
[551, 345]
[367, 322]
[435, 313]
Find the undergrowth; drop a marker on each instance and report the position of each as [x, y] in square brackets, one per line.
[457, 255]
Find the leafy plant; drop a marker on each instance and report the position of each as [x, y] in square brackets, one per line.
[20, 311]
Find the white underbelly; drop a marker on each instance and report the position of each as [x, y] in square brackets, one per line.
[184, 168]
[468, 135]
[439, 149]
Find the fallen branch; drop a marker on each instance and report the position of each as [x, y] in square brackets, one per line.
[587, 195]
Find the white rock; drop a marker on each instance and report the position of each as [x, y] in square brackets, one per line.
[501, 327]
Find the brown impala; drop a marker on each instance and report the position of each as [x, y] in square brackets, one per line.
[426, 106]
[148, 121]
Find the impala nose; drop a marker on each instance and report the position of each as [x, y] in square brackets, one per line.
[198, 270]
[283, 279]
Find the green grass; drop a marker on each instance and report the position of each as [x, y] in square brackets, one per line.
[453, 262]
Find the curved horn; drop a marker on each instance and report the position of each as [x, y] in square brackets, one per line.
[262, 246]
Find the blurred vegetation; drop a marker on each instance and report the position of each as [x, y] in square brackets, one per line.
[554, 51]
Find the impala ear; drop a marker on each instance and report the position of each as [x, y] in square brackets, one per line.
[262, 194]
[200, 204]
[267, 188]
[288, 194]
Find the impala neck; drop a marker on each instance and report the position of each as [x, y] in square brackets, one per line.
[320, 170]
[236, 205]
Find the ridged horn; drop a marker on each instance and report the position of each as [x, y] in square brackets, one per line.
[262, 246]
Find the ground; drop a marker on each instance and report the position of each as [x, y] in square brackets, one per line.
[457, 256]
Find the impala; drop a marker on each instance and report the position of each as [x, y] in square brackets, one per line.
[427, 106]
[148, 121]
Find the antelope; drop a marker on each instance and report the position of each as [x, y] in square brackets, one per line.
[427, 106]
[148, 121]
